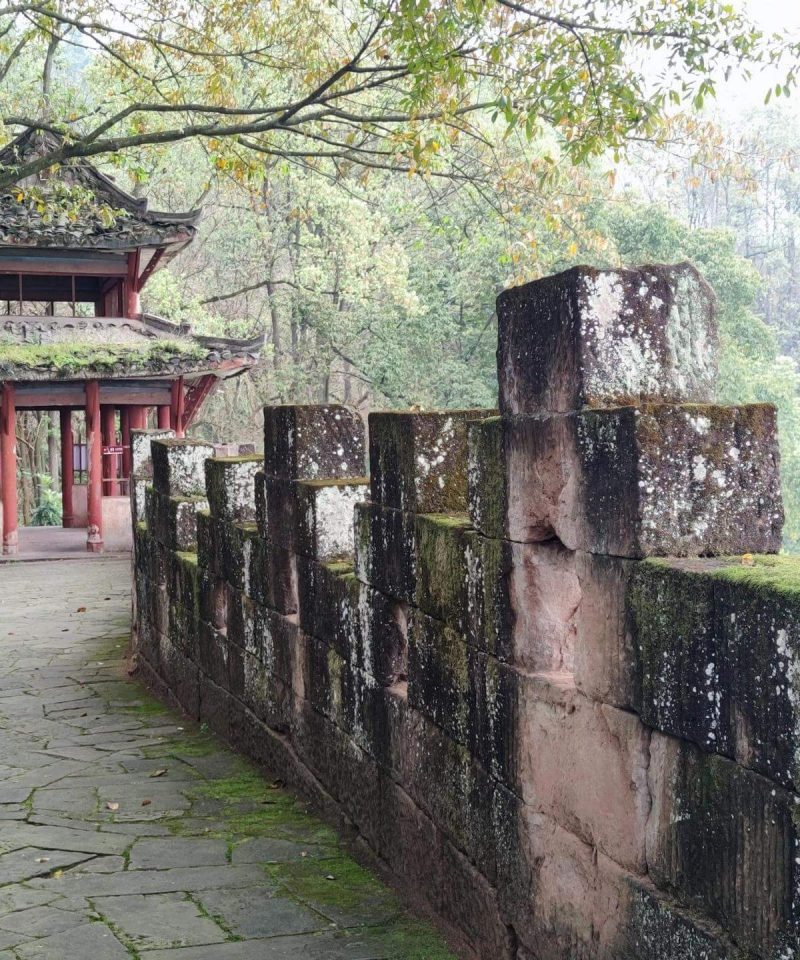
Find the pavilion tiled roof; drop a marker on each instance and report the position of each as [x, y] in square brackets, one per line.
[23, 224]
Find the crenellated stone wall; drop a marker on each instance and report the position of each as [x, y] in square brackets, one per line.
[541, 667]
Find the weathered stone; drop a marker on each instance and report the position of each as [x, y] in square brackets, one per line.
[230, 487]
[589, 337]
[658, 929]
[141, 453]
[452, 789]
[584, 765]
[384, 550]
[138, 494]
[522, 602]
[266, 695]
[469, 902]
[605, 663]
[441, 544]
[720, 836]
[418, 461]
[325, 518]
[213, 593]
[650, 481]
[439, 676]
[179, 467]
[718, 643]
[313, 442]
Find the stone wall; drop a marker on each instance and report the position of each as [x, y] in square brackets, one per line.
[540, 667]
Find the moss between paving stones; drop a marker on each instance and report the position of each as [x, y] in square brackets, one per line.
[250, 806]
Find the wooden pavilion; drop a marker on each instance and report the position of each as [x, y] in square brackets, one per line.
[75, 252]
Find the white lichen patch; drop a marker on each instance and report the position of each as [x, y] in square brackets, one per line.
[634, 344]
[330, 517]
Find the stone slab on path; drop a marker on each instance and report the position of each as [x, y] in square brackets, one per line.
[127, 831]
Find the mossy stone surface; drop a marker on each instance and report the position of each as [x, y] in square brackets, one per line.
[718, 643]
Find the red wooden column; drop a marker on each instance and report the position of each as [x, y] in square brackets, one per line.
[177, 408]
[8, 465]
[138, 417]
[108, 417]
[94, 442]
[125, 430]
[164, 417]
[67, 469]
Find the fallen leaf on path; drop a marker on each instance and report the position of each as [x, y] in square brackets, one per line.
[158, 773]
[112, 805]
[146, 803]
[81, 609]
[43, 859]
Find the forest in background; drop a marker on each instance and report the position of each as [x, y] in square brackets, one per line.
[371, 256]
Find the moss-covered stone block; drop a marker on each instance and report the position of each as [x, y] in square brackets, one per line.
[442, 562]
[418, 461]
[266, 695]
[230, 487]
[651, 481]
[212, 653]
[385, 556]
[313, 442]
[173, 520]
[208, 555]
[718, 644]
[724, 840]
[179, 467]
[324, 517]
[589, 337]
[454, 789]
[487, 483]
[439, 675]
[212, 597]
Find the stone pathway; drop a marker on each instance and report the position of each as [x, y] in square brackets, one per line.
[126, 831]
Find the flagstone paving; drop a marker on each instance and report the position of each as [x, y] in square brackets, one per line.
[126, 831]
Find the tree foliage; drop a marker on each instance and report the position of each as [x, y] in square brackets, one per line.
[386, 85]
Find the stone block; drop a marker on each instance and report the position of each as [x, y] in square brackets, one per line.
[411, 845]
[179, 467]
[635, 482]
[589, 337]
[418, 461]
[276, 510]
[522, 602]
[606, 666]
[724, 840]
[313, 442]
[441, 544]
[385, 556]
[453, 789]
[182, 676]
[173, 520]
[439, 681]
[138, 494]
[365, 627]
[266, 695]
[212, 653]
[230, 487]
[141, 454]
[208, 534]
[212, 594]
[487, 481]
[658, 929]
[718, 642]
[564, 898]
[325, 517]
[469, 902]
[584, 765]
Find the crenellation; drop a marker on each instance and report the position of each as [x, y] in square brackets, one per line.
[528, 663]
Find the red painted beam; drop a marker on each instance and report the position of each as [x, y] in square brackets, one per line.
[196, 395]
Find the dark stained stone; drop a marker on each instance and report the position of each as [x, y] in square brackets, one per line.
[589, 337]
[418, 461]
[313, 442]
